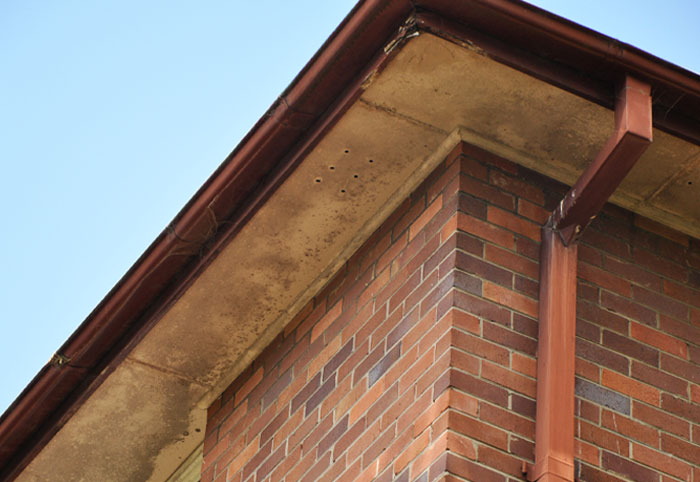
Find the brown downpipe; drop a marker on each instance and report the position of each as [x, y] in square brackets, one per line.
[554, 437]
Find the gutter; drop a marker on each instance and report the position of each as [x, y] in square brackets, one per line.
[329, 83]
[556, 349]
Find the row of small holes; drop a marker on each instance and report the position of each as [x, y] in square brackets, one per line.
[332, 168]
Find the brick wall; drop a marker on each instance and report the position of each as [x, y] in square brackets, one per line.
[417, 361]
[638, 351]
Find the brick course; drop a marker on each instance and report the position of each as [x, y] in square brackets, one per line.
[417, 360]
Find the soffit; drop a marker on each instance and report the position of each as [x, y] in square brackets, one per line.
[541, 126]
[432, 94]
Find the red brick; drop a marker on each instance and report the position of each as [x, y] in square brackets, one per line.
[525, 325]
[604, 279]
[631, 348]
[658, 339]
[374, 287]
[680, 407]
[501, 461]
[412, 375]
[289, 461]
[467, 469]
[532, 211]
[516, 186]
[490, 272]
[588, 473]
[627, 468]
[606, 243]
[660, 419]
[244, 457]
[419, 293]
[514, 223]
[587, 254]
[234, 418]
[661, 230]
[630, 428]
[659, 379]
[392, 252]
[601, 356]
[603, 438]
[480, 347]
[308, 322]
[663, 304]
[587, 410]
[299, 317]
[587, 370]
[317, 469]
[509, 338]
[429, 455]
[633, 273]
[509, 379]
[464, 321]
[586, 452]
[479, 388]
[486, 192]
[480, 229]
[478, 306]
[477, 430]
[289, 426]
[682, 293]
[528, 248]
[682, 368]
[509, 298]
[447, 183]
[625, 307]
[362, 335]
[522, 448]
[487, 157]
[298, 381]
[680, 329]
[628, 386]
[506, 419]
[371, 396]
[661, 461]
[659, 265]
[680, 448]
[425, 217]
[399, 407]
[395, 293]
[326, 320]
[601, 317]
[248, 386]
[377, 446]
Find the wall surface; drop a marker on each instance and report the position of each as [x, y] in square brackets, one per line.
[417, 361]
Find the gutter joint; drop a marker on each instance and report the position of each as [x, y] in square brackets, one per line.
[58, 360]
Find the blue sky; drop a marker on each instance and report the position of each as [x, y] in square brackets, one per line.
[113, 113]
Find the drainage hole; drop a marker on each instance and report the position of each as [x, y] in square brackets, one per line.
[371, 161]
[690, 183]
[331, 167]
[347, 151]
[356, 176]
[342, 190]
[318, 179]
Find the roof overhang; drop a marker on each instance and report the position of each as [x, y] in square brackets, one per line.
[393, 90]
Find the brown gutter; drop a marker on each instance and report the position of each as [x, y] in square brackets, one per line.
[567, 55]
[553, 49]
[556, 352]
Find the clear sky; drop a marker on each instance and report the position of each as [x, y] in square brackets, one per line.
[113, 113]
